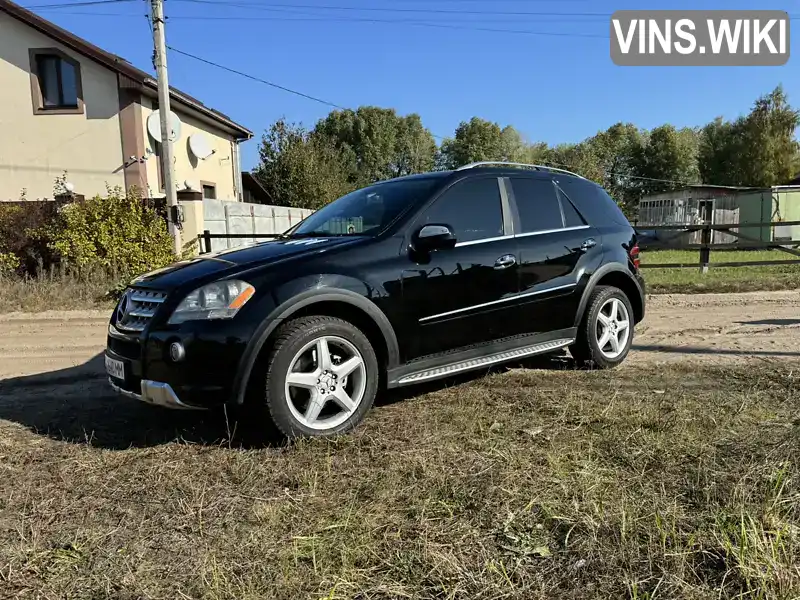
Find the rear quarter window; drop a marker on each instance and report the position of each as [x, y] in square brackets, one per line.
[592, 201]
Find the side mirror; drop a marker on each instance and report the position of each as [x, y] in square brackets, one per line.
[434, 237]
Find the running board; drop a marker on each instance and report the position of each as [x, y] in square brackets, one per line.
[483, 361]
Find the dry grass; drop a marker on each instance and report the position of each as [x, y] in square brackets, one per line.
[683, 482]
[57, 290]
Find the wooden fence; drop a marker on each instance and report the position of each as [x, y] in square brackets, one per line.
[705, 247]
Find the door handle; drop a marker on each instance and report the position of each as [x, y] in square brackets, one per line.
[505, 261]
[590, 243]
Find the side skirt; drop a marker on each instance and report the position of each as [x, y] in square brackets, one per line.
[439, 366]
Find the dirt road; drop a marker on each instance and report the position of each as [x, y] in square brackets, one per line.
[710, 327]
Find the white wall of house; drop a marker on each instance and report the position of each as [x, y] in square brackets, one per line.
[37, 148]
[219, 169]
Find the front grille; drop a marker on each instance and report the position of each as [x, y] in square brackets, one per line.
[125, 348]
[136, 308]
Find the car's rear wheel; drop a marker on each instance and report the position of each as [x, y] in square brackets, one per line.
[322, 377]
[606, 332]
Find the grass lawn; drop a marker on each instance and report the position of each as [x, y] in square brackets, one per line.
[679, 482]
[723, 279]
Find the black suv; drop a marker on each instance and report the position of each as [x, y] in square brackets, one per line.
[404, 281]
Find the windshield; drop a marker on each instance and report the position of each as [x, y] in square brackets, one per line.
[365, 211]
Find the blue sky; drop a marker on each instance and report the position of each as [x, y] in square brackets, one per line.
[555, 89]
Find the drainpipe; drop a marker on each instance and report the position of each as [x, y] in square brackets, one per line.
[237, 170]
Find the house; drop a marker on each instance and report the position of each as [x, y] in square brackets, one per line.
[253, 191]
[69, 106]
[725, 204]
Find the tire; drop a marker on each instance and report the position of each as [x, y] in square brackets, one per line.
[587, 350]
[296, 352]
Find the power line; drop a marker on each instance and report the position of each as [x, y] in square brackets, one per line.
[263, 6]
[395, 22]
[71, 4]
[625, 175]
[269, 83]
[258, 79]
[413, 23]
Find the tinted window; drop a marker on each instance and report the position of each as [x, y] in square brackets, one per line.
[571, 216]
[592, 201]
[537, 204]
[58, 81]
[472, 208]
[367, 210]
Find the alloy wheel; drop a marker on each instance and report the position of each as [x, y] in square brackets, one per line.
[326, 382]
[613, 328]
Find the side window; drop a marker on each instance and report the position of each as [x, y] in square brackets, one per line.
[55, 82]
[592, 200]
[537, 204]
[472, 208]
[572, 217]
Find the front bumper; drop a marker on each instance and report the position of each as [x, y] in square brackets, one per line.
[155, 392]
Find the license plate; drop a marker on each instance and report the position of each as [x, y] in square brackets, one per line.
[115, 368]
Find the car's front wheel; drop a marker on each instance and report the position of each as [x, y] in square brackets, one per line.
[606, 332]
[322, 377]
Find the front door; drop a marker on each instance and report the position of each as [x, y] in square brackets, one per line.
[461, 296]
[558, 251]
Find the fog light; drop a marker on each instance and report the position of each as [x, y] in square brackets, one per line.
[176, 351]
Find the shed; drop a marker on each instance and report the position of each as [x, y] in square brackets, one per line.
[739, 205]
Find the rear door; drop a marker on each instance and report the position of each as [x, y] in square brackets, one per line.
[558, 248]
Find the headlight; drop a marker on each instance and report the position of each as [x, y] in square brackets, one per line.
[213, 301]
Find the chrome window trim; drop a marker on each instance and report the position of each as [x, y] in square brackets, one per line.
[505, 205]
[484, 240]
[546, 231]
[560, 205]
[519, 235]
[508, 299]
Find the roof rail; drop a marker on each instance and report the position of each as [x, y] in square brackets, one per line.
[516, 164]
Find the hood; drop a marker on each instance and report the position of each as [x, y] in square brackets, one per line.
[237, 259]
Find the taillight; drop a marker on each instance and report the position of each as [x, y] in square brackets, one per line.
[634, 254]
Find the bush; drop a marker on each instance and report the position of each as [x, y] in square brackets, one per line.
[23, 235]
[116, 232]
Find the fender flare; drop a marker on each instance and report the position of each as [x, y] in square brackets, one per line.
[592, 283]
[296, 303]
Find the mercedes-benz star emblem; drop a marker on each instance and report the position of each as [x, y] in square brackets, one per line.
[122, 309]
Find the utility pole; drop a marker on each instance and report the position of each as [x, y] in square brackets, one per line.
[160, 44]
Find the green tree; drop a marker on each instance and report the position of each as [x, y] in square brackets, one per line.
[376, 143]
[758, 149]
[614, 152]
[668, 159]
[478, 140]
[717, 153]
[300, 169]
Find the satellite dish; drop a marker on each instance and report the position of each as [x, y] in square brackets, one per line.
[154, 126]
[199, 145]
